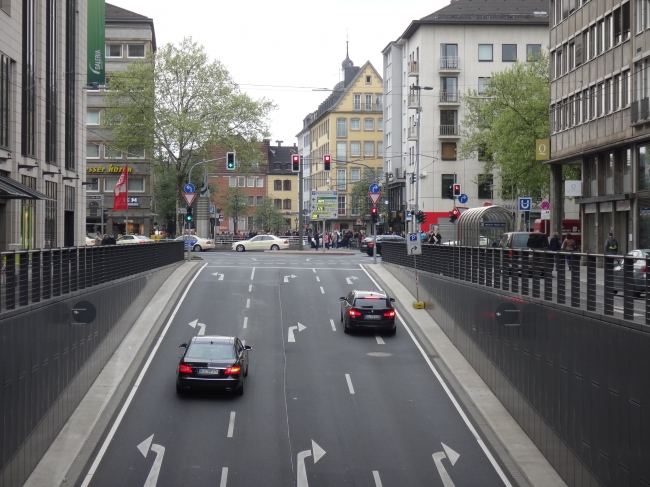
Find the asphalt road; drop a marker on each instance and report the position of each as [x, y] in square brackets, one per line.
[327, 409]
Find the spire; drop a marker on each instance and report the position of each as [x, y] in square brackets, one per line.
[347, 62]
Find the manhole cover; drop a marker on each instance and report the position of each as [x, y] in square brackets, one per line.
[380, 354]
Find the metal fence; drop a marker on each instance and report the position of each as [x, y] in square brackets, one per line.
[605, 284]
[33, 276]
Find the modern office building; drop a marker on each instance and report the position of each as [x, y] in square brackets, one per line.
[430, 67]
[42, 133]
[129, 37]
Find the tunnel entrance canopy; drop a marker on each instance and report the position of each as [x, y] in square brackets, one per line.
[484, 226]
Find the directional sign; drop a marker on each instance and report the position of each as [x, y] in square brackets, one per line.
[408, 214]
[220, 217]
[189, 197]
[152, 478]
[374, 197]
[189, 188]
[318, 453]
[94, 197]
[439, 457]
[212, 209]
[545, 205]
[525, 203]
[290, 336]
[189, 242]
[181, 210]
[463, 198]
[324, 205]
[201, 326]
[374, 188]
[414, 246]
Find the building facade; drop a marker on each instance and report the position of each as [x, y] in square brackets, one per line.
[282, 183]
[304, 150]
[129, 37]
[348, 126]
[426, 72]
[42, 136]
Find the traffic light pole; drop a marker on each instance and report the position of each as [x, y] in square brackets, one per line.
[301, 229]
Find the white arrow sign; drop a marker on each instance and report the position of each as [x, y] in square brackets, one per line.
[196, 323]
[152, 479]
[350, 279]
[286, 278]
[220, 276]
[438, 457]
[291, 328]
[318, 453]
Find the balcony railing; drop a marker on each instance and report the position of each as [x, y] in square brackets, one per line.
[450, 63]
[450, 130]
[413, 68]
[371, 107]
[640, 110]
[413, 133]
[414, 99]
[449, 96]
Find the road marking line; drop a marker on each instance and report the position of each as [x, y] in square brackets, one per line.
[333, 325]
[246, 322]
[313, 270]
[375, 474]
[224, 477]
[253, 274]
[250, 287]
[347, 378]
[322, 290]
[380, 340]
[248, 303]
[231, 425]
[317, 279]
[469, 425]
[127, 403]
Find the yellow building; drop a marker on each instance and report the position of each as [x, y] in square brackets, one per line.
[282, 184]
[348, 125]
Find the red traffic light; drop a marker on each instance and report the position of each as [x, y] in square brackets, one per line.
[457, 191]
[327, 162]
[295, 163]
[374, 210]
[455, 212]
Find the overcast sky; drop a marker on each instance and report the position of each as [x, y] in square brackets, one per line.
[286, 44]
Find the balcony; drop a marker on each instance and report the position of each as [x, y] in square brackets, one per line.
[413, 99]
[413, 68]
[449, 63]
[369, 107]
[449, 97]
[640, 111]
[412, 133]
[450, 131]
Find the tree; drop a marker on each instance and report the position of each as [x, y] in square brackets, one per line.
[502, 123]
[268, 217]
[235, 204]
[178, 105]
[359, 193]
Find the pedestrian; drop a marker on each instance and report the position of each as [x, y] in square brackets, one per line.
[611, 245]
[105, 239]
[438, 237]
[555, 245]
[316, 238]
[98, 239]
[326, 236]
[111, 240]
[569, 245]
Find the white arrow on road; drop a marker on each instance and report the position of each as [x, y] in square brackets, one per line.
[302, 471]
[219, 275]
[441, 455]
[291, 328]
[152, 479]
[194, 324]
[350, 279]
[286, 278]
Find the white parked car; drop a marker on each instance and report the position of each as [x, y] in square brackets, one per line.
[198, 243]
[133, 239]
[261, 242]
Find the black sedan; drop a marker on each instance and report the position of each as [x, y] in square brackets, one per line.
[363, 247]
[383, 238]
[213, 362]
[368, 310]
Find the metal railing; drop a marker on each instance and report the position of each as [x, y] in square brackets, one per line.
[32, 276]
[609, 285]
[412, 133]
[450, 62]
[413, 100]
[450, 130]
[449, 96]
[413, 67]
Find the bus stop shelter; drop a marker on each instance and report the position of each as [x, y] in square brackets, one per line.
[484, 226]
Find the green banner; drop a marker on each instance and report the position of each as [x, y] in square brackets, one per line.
[96, 42]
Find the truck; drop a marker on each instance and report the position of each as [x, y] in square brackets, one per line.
[571, 226]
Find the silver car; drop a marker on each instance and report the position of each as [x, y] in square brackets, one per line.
[638, 272]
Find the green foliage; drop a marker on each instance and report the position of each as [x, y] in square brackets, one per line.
[269, 217]
[359, 191]
[235, 204]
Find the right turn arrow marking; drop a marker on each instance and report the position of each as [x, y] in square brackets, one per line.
[318, 453]
[291, 337]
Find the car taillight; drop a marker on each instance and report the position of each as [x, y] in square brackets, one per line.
[643, 269]
[389, 314]
[509, 254]
[184, 369]
[371, 244]
[354, 313]
[286, 242]
[208, 242]
[143, 241]
[234, 370]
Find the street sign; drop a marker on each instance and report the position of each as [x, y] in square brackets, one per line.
[525, 203]
[408, 214]
[220, 218]
[374, 197]
[181, 210]
[546, 214]
[324, 205]
[212, 209]
[359, 222]
[189, 197]
[94, 197]
[463, 198]
[374, 188]
[545, 205]
[414, 246]
[189, 188]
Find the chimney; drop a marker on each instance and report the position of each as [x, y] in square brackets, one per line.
[279, 142]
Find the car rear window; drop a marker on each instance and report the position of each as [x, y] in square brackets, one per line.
[370, 303]
[210, 351]
[537, 241]
[520, 240]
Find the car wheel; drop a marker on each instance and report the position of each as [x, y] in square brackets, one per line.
[615, 291]
[341, 316]
[275, 247]
[246, 373]
[197, 248]
[637, 294]
[346, 329]
[240, 248]
[240, 391]
[179, 390]
[393, 331]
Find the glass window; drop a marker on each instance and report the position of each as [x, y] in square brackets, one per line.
[609, 173]
[260, 200]
[286, 204]
[355, 149]
[355, 206]
[277, 185]
[250, 182]
[232, 182]
[92, 117]
[448, 117]
[113, 50]
[341, 127]
[134, 153]
[357, 102]
[448, 151]
[341, 152]
[260, 182]
[341, 205]
[369, 124]
[448, 56]
[447, 181]
[112, 153]
[92, 184]
[627, 169]
[251, 201]
[643, 152]
[485, 52]
[380, 149]
[368, 102]
[509, 52]
[341, 175]
[135, 50]
[485, 187]
[355, 124]
[277, 203]
[483, 85]
[241, 181]
[286, 185]
[355, 175]
[368, 149]
[92, 151]
[380, 124]
[5, 89]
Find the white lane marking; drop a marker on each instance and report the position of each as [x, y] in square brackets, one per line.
[231, 425]
[313, 270]
[351, 279]
[375, 475]
[248, 303]
[250, 288]
[246, 322]
[297, 268]
[317, 279]
[380, 340]
[333, 325]
[469, 425]
[439, 457]
[127, 403]
[253, 274]
[347, 378]
[224, 477]
[322, 290]
[254, 259]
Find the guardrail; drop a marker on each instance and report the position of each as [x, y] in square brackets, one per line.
[604, 284]
[29, 277]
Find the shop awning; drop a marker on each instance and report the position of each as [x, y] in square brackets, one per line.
[13, 190]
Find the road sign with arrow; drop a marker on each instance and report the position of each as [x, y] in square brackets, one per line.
[414, 245]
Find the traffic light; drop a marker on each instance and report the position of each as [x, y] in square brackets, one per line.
[295, 163]
[230, 161]
[450, 192]
[327, 162]
[457, 191]
[453, 215]
[189, 217]
[421, 217]
[373, 214]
